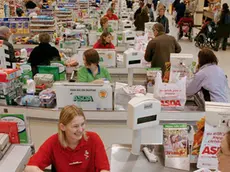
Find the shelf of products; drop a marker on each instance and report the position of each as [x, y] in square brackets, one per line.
[40, 24]
[63, 14]
[16, 25]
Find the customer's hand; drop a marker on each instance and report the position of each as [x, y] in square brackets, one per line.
[71, 63]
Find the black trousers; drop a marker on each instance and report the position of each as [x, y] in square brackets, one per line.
[224, 43]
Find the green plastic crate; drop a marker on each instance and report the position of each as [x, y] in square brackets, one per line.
[50, 70]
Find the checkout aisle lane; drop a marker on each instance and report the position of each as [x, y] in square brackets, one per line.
[190, 48]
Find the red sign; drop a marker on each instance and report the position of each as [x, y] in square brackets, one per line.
[170, 103]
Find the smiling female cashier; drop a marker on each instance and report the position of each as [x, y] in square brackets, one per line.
[92, 71]
[72, 149]
[105, 41]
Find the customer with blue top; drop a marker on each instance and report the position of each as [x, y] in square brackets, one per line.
[209, 79]
[92, 71]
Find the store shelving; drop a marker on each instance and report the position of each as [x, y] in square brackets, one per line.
[40, 24]
[63, 14]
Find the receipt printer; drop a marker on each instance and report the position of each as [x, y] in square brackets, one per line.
[132, 58]
[126, 24]
[124, 15]
[129, 36]
[143, 112]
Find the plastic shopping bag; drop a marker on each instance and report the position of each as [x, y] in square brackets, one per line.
[210, 146]
[171, 95]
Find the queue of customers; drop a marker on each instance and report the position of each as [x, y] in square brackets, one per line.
[145, 14]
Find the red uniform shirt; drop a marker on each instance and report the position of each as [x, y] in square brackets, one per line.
[89, 155]
[99, 45]
[113, 17]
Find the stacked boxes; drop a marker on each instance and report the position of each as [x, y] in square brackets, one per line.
[10, 86]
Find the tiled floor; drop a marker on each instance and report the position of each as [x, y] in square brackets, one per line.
[189, 47]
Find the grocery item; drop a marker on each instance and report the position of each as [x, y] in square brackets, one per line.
[26, 71]
[47, 98]
[46, 79]
[167, 72]
[30, 86]
[171, 95]
[150, 78]
[30, 100]
[198, 137]
[50, 70]
[175, 140]
[9, 74]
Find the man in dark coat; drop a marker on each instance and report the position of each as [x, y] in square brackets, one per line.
[138, 11]
[223, 30]
[141, 19]
[180, 9]
[159, 48]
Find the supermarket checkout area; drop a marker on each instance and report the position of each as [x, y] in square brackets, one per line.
[119, 153]
[98, 102]
[129, 157]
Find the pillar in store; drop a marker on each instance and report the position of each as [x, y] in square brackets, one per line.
[198, 15]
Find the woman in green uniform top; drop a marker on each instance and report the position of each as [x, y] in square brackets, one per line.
[104, 22]
[92, 71]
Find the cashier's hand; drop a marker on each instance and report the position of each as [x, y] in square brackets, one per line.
[71, 63]
[104, 171]
[98, 81]
[32, 169]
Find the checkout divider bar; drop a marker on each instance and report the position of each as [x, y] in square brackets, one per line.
[53, 114]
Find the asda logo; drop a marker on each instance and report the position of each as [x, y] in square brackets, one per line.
[83, 99]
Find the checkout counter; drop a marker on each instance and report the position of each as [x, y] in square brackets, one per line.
[16, 158]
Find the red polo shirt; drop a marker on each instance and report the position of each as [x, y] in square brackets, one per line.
[113, 17]
[99, 45]
[89, 155]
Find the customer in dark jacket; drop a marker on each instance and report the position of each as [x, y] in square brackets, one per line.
[138, 11]
[141, 19]
[151, 15]
[155, 4]
[5, 34]
[180, 10]
[223, 30]
[163, 20]
[159, 48]
[43, 53]
[175, 3]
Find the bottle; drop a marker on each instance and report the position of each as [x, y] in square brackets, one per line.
[6, 10]
[23, 53]
[31, 87]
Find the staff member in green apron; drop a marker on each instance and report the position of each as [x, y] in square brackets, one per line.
[92, 71]
[104, 22]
